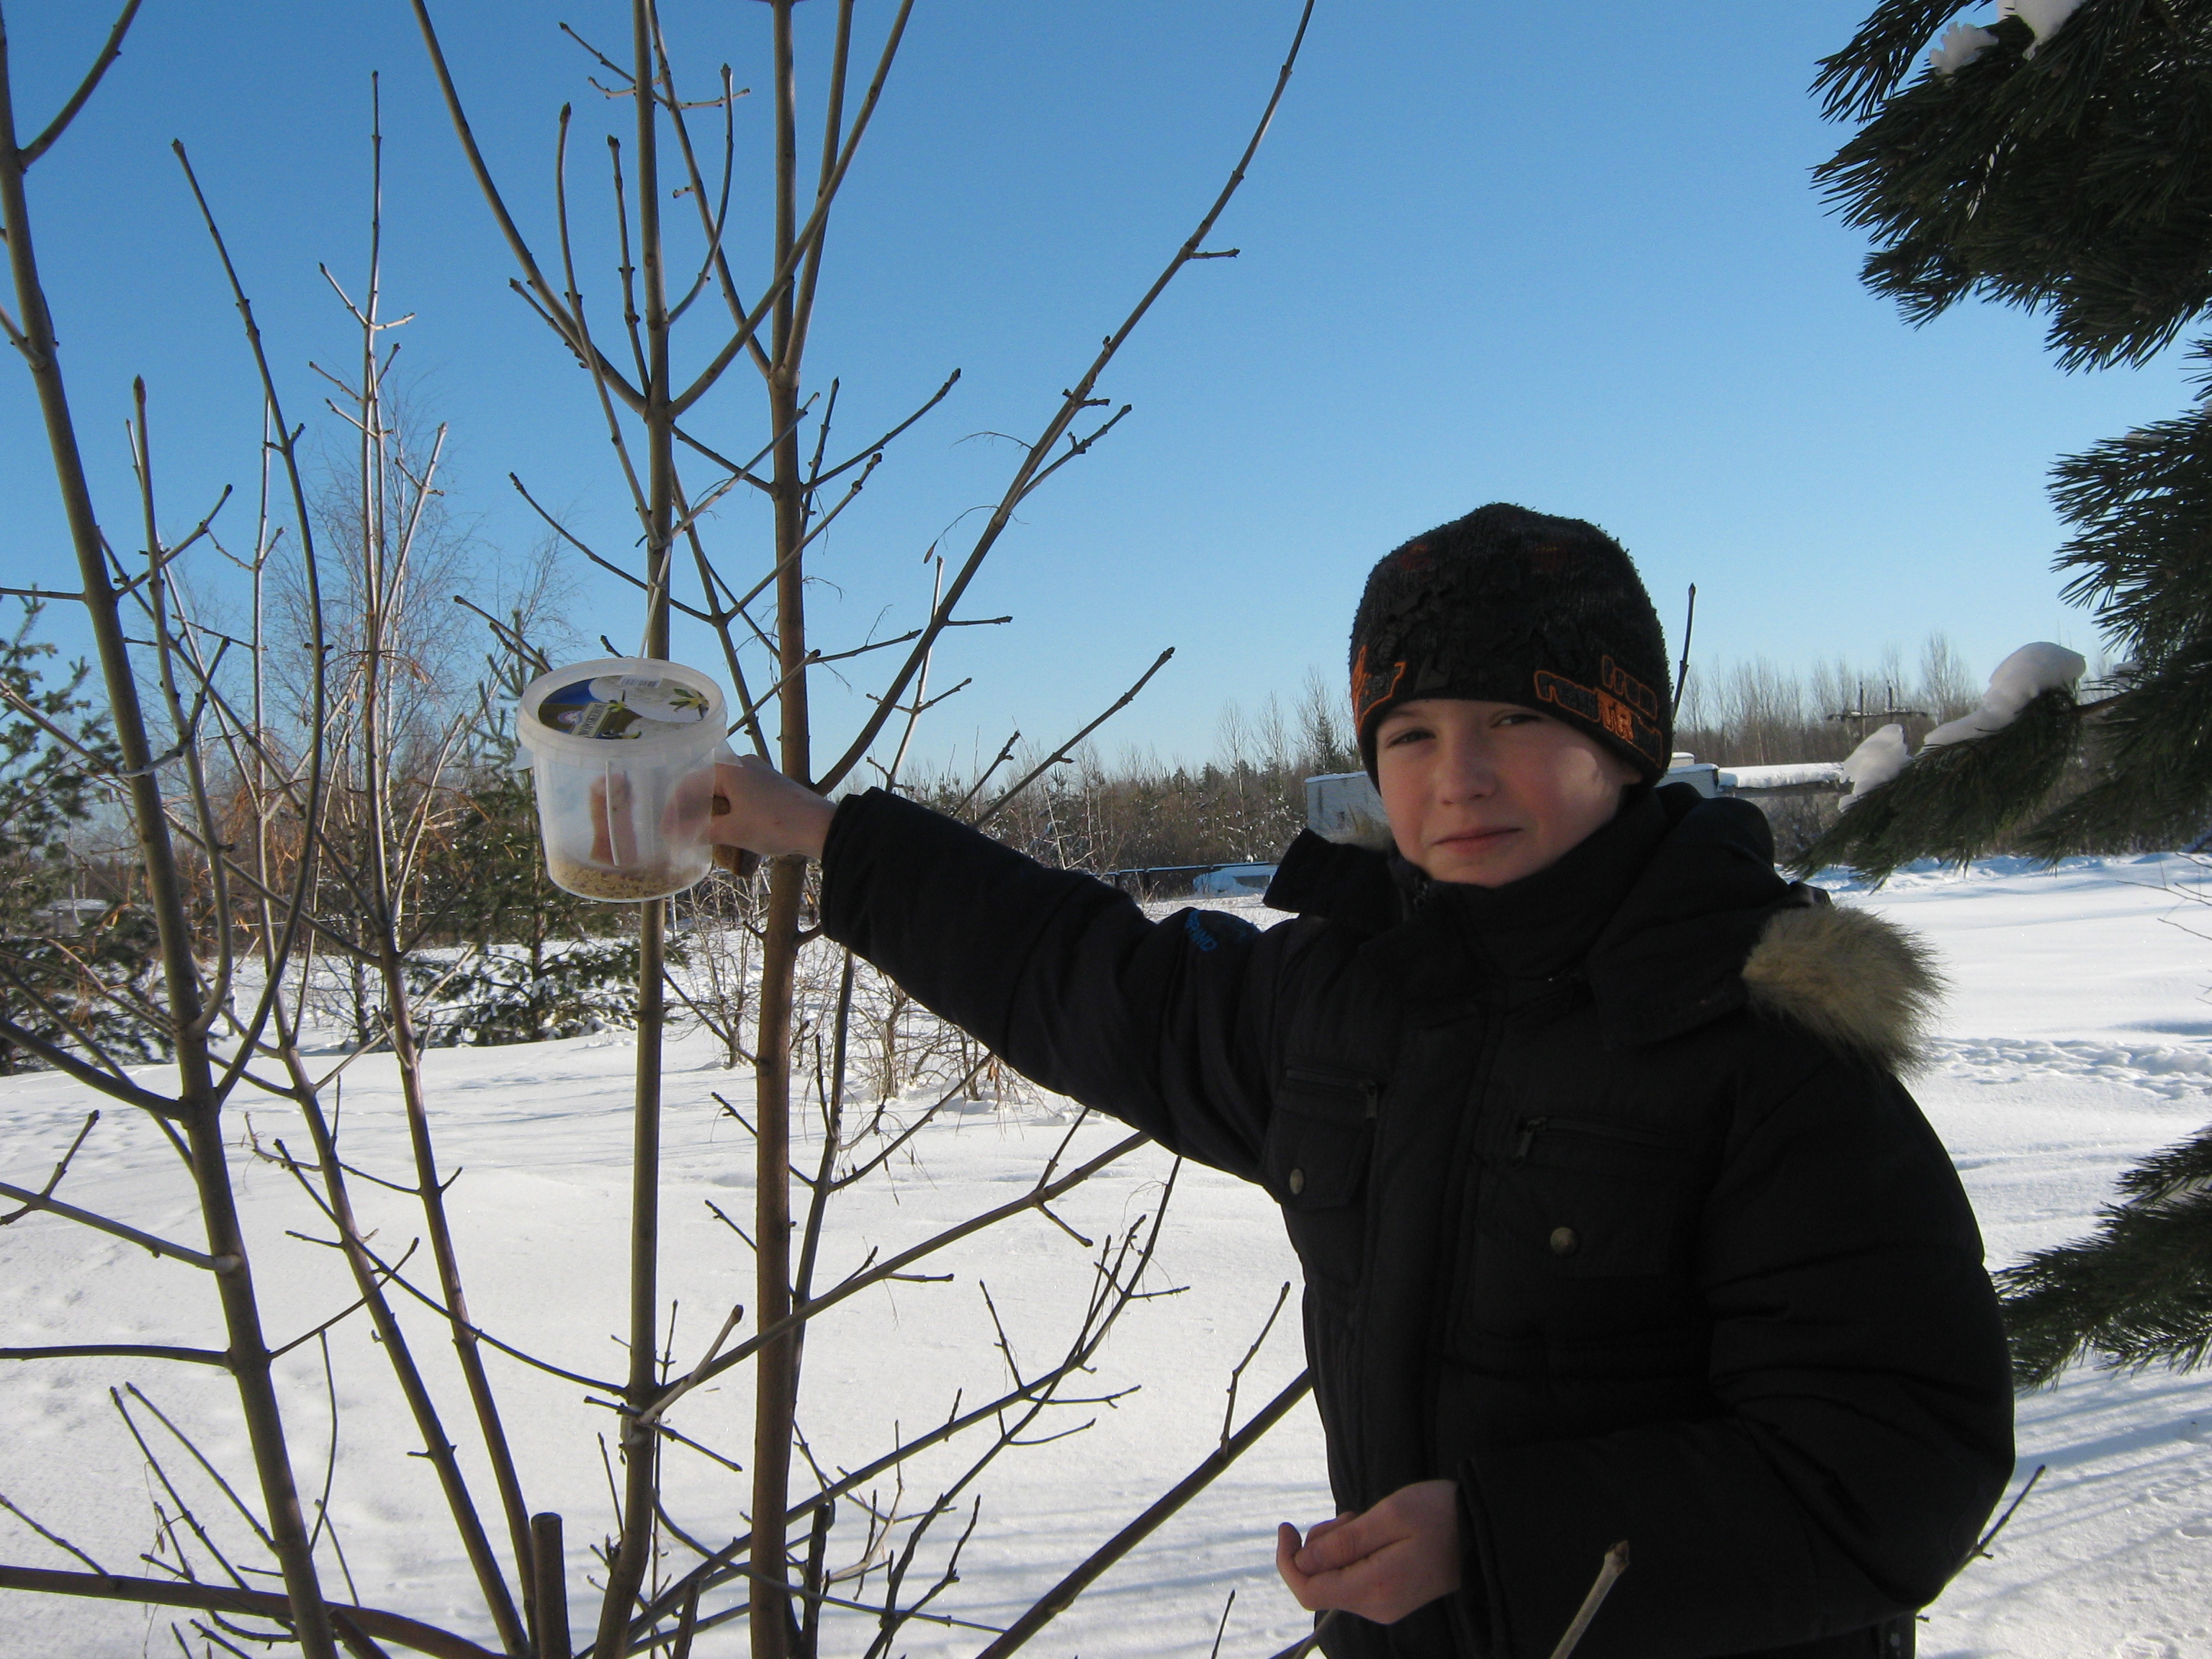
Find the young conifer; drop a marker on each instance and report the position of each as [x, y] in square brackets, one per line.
[2060, 161]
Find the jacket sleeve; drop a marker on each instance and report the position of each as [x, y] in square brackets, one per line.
[1162, 1024]
[1864, 1431]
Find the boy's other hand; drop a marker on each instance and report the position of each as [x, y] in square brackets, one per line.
[1381, 1563]
[759, 809]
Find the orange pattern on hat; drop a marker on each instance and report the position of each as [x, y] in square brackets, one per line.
[1369, 690]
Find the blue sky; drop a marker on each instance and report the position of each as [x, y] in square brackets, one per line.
[1568, 257]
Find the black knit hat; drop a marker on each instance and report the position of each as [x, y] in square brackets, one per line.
[1507, 606]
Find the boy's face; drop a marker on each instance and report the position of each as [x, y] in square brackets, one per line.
[1487, 792]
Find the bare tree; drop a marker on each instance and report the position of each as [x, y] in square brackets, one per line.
[154, 780]
[648, 407]
[277, 853]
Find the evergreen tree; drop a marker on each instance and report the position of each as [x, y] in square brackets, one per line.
[2060, 161]
[66, 978]
[546, 964]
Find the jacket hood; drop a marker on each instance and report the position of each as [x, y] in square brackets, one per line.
[1707, 928]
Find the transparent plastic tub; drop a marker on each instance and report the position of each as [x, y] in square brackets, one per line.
[622, 751]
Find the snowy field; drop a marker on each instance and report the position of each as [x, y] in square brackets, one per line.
[2078, 1037]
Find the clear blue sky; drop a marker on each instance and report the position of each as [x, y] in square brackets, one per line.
[1565, 255]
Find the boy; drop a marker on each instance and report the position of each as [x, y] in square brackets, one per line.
[1615, 1221]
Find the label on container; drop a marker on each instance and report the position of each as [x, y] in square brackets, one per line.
[622, 705]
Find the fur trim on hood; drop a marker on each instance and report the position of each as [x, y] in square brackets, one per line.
[1867, 986]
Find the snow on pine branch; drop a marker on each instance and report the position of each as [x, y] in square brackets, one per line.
[2044, 18]
[1962, 43]
[2018, 680]
[1875, 762]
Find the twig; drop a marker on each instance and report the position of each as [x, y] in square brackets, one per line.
[859, 1281]
[1061, 753]
[108, 53]
[1615, 1563]
[650, 1415]
[200, 1457]
[31, 1201]
[53, 1538]
[816, 478]
[1055, 1600]
[1306, 1643]
[1982, 1548]
[119, 1350]
[1229, 1412]
[160, 1593]
[976, 788]
[61, 1169]
[1221, 1629]
[183, 1510]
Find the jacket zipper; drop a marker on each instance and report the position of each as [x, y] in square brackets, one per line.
[1528, 1129]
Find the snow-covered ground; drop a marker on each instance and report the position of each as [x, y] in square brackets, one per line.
[2077, 1038]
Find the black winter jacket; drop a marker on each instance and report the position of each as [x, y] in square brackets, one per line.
[1610, 1205]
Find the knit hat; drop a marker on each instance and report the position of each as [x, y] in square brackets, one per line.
[1507, 606]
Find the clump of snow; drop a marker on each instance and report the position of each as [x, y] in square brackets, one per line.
[2044, 18]
[2018, 680]
[1875, 762]
[1961, 44]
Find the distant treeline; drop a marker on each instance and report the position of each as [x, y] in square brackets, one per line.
[1138, 812]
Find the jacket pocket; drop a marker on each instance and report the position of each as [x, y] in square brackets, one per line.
[1595, 1198]
[1320, 1136]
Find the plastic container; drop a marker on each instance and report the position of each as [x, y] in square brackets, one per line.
[624, 749]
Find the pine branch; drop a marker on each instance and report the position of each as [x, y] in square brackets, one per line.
[2066, 181]
[1954, 801]
[2155, 769]
[2137, 1291]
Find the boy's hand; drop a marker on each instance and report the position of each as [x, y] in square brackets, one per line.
[759, 809]
[1401, 1554]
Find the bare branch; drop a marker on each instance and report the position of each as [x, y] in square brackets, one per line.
[571, 328]
[1615, 1563]
[161, 1593]
[53, 1538]
[353, 1307]
[1061, 753]
[1076, 446]
[108, 53]
[1229, 1412]
[1055, 1600]
[119, 1350]
[818, 478]
[1078, 398]
[61, 1168]
[199, 1457]
[976, 788]
[1040, 1194]
[31, 1201]
[114, 1087]
[803, 242]
[651, 1415]
[602, 380]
